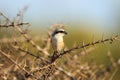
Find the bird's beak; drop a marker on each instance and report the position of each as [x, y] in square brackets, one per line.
[65, 32]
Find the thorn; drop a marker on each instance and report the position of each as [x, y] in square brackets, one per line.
[93, 41]
[83, 43]
[112, 39]
[25, 64]
[103, 39]
[76, 44]
[84, 46]
[116, 37]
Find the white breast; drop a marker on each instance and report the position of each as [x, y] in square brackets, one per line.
[57, 42]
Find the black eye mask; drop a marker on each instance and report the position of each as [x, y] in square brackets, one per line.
[56, 32]
[59, 32]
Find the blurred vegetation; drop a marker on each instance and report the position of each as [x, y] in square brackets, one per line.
[78, 33]
[97, 55]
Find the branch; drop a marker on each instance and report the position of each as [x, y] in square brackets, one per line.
[84, 46]
[30, 40]
[12, 24]
[15, 63]
[16, 24]
[27, 52]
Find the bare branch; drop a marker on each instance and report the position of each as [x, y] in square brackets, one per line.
[12, 24]
[86, 45]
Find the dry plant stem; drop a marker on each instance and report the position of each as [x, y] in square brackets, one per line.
[17, 25]
[13, 61]
[113, 74]
[8, 20]
[7, 56]
[49, 67]
[44, 67]
[30, 40]
[25, 51]
[12, 24]
[112, 60]
[65, 72]
[84, 46]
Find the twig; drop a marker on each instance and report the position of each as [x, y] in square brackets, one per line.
[113, 74]
[112, 60]
[65, 72]
[13, 61]
[17, 25]
[27, 52]
[12, 24]
[30, 40]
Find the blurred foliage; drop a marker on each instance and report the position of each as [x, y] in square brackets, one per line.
[98, 56]
[75, 37]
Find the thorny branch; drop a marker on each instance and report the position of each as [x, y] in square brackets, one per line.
[17, 25]
[12, 24]
[15, 63]
[85, 45]
[79, 47]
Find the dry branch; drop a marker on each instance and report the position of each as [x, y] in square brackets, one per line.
[17, 25]
[12, 25]
[85, 45]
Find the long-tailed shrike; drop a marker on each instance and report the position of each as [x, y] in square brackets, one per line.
[57, 40]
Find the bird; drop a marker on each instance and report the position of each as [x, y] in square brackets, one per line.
[57, 40]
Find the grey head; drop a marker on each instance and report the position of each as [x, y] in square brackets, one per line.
[59, 31]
